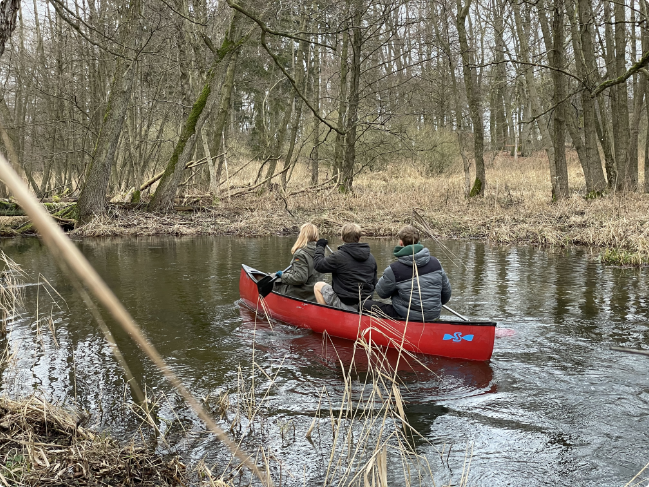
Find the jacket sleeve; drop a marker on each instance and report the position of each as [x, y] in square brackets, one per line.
[387, 284]
[446, 288]
[299, 272]
[322, 263]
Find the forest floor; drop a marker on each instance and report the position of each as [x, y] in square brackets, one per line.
[516, 208]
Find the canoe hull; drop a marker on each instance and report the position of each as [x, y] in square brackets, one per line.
[455, 339]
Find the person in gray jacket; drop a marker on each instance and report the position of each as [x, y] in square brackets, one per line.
[416, 282]
[298, 281]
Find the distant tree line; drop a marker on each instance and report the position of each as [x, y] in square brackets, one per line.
[99, 96]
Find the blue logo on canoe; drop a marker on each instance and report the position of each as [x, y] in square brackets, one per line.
[457, 337]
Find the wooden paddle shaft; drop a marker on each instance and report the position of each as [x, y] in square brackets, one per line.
[455, 313]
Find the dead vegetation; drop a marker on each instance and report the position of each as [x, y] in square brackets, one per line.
[516, 208]
[43, 444]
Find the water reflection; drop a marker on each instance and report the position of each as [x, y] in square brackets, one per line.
[554, 405]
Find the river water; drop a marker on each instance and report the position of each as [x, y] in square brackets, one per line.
[554, 405]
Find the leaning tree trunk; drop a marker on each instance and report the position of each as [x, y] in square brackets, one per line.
[163, 198]
[471, 84]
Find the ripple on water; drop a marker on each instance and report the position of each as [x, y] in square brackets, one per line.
[553, 407]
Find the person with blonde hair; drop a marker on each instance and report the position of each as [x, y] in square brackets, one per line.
[353, 271]
[299, 279]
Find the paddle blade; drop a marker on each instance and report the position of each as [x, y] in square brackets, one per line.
[265, 285]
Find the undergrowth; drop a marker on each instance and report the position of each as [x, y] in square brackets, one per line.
[516, 208]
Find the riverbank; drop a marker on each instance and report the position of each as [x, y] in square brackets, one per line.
[43, 444]
[516, 208]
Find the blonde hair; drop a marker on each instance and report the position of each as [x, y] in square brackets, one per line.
[350, 233]
[308, 233]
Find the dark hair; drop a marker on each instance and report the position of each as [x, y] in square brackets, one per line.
[408, 235]
[350, 233]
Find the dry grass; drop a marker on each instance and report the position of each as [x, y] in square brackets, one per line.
[42, 444]
[516, 208]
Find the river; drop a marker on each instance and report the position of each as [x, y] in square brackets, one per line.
[553, 406]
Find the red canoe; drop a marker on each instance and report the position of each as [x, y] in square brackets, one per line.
[471, 340]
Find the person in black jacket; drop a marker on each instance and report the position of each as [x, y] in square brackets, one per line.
[353, 271]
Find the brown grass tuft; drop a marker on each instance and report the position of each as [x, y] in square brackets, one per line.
[43, 444]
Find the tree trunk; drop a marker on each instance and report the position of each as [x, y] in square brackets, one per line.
[646, 147]
[625, 176]
[281, 135]
[500, 79]
[8, 14]
[92, 199]
[587, 148]
[163, 198]
[301, 80]
[221, 120]
[530, 83]
[339, 149]
[316, 122]
[560, 183]
[354, 98]
[471, 84]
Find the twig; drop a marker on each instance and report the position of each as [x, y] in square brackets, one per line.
[630, 350]
[248, 190]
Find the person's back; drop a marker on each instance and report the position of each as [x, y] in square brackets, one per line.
[299, 279]
[353, 271]
[416, 282]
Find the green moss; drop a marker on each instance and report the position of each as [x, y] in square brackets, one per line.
[189, 129]
[136, 197]
[477, 188]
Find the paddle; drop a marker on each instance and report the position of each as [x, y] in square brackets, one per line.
[265, 285]
[455, 313]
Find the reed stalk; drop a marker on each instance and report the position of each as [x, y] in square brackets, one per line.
[71, 259]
